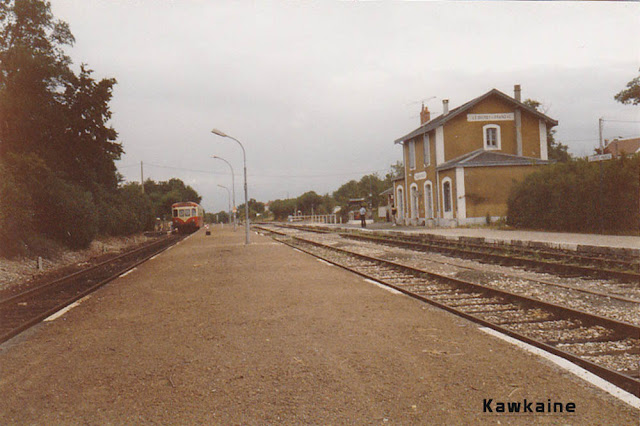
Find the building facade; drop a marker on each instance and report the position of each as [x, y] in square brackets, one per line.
[460, 166]
[620, 147]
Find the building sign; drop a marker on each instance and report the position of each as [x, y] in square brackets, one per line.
[600, 157]
[420, 176]
[505, 116]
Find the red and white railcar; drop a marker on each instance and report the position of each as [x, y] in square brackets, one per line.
[187, 217]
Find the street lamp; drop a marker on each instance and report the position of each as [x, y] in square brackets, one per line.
[246, 198]
[229, 198]
[233, 188]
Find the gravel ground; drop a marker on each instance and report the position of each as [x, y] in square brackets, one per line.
[215, 332]
[21, 272]
[510, 279]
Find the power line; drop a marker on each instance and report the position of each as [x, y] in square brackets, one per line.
[267, 176]
[621, 121]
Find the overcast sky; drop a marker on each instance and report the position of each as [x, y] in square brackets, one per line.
[318, 91]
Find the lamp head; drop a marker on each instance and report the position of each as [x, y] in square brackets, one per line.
[219, 133]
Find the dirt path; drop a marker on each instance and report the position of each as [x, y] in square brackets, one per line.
[228, 334]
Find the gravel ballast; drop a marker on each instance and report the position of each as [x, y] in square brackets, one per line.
[213, 331]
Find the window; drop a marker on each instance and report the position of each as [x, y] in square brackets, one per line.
[193, 212]
[412, 154]
[491, 134]
[181, 212]
[428, 200]
[400, 202]
[427, 150]
[413, 194]
[175, 212]
[446, 190]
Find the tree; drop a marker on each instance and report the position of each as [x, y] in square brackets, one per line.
[88, 147]
[34, 72]
[630, 95]
[255, 208]
[54, 139]
[164, 194]
[555, 150]
[281, 209]
[220, 217]
[395, 171]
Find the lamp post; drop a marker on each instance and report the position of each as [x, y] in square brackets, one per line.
[233, 188]
[228, 197]
[246, 198]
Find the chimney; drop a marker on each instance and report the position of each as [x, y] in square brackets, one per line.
[425, 115]
[518, 120]
[445, 106]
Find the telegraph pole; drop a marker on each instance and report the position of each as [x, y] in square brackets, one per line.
[141, 177]
[600, 196]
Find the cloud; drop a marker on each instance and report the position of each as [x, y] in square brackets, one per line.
[318, 91]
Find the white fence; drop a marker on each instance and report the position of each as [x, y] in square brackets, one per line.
[318, 218]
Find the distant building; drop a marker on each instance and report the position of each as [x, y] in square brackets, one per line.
[460, 166]
[620, 147]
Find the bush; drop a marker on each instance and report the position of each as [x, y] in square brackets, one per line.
[578, 197]
[67, 213]
[124, 212]
[36, 202]
[16, 214]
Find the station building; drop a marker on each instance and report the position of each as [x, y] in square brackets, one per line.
[460, 166]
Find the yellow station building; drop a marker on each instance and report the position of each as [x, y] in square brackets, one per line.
[460, 166]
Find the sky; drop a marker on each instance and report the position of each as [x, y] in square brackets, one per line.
[317, 92]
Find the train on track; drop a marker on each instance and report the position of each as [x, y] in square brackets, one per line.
[187, 217]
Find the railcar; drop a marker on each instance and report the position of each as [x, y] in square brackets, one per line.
[187, 217]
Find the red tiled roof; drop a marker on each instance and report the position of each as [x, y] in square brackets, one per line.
[618, 147]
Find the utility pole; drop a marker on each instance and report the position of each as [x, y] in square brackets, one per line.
[142, 177]
[601, 207]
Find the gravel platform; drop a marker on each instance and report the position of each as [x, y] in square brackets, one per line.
[216, 332]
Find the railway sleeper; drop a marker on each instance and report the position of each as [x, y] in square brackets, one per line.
[524, 316]
[548, 325]
[574, 336]
[494, 310]
[479, 302]
[628, 344]
[623, 362]
[434, 290]
[453, 296]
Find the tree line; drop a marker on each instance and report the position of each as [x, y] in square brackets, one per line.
[58, 179]
[368, 188]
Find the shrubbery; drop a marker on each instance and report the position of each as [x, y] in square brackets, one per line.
[576, 197]
[36, 204]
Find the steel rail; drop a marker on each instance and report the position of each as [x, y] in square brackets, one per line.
[475, 243]
[79, 273]
[502, 258]
[548, 283]
[621, 380]
[157, 246]
[448, 246]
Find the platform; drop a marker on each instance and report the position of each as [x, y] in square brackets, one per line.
[593, 243]
[216, 332]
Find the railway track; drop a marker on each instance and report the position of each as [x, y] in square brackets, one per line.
[26, 309]
[613, 299]
[555, 261]
[607, 347]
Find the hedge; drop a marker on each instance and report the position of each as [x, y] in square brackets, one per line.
[580, 196]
